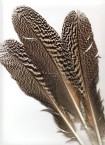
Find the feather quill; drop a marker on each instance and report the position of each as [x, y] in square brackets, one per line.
[81, 57]
[20, 66]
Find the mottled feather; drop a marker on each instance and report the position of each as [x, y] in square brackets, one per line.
[81, 63]
[20, 66]
[44, 46]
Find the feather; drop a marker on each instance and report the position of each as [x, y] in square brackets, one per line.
[81, 63]
[40, 39]
[30, 80]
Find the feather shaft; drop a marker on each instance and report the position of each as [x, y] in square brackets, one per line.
[95, 124]
[67, 122]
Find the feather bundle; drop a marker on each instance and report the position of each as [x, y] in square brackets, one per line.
[61, 73]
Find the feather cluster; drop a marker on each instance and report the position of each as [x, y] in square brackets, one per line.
[61, 73]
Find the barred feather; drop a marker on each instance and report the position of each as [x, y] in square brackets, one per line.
[82, 68]
[40, 39]
[30, 80]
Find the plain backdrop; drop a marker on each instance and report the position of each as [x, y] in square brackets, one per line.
[23, 123]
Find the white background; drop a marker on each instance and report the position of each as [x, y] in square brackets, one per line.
[22, 120]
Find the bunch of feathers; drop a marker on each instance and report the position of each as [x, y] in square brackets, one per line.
[61, 73]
